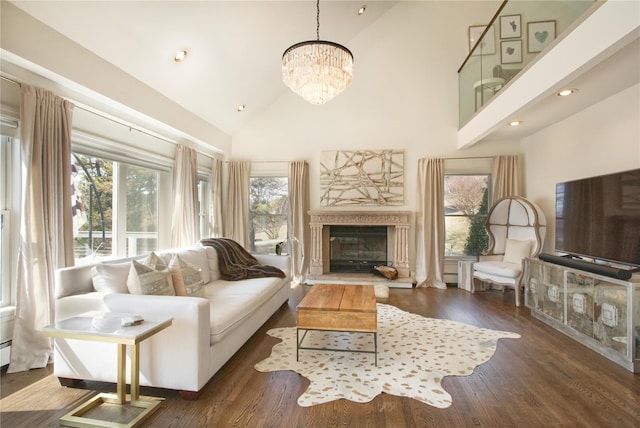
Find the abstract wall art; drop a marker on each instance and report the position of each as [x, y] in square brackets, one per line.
[361, 177]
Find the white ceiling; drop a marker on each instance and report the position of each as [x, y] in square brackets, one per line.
[235, 47]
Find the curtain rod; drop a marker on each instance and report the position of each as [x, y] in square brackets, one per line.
[471, 157]
[87, 109]
[261, 161]
[10, 80]
[81, 106]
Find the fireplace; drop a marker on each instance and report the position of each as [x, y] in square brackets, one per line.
[357, 248]
[392, 249]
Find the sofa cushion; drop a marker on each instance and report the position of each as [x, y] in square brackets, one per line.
[150, 277]
[233, 301]
[110, 278]
[212, 259]
[186, 277]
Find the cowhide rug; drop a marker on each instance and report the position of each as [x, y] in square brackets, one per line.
[414, 354]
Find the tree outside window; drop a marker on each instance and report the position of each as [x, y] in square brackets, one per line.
[268, 214]
[466, 207]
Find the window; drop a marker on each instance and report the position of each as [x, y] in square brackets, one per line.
[115, 208]
[5, 226]
[268, 214]
[465, 206]
[204, 216]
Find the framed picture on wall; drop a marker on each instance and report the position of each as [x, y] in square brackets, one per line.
[510, 27]
[511, 51]
[540, 34]
[487, 45]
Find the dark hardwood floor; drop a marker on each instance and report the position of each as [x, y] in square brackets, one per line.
[543, 379]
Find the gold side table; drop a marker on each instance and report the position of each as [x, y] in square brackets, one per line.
[108, 329]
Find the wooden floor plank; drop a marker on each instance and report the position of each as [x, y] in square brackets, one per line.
[542, 379]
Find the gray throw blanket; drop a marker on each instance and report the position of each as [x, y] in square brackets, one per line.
[235, 263]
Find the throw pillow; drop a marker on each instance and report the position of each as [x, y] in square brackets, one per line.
[186, 277]
[110, 278]
[150, 277]
[212, 259]
[515, 251]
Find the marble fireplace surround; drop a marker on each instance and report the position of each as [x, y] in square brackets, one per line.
[397, 223]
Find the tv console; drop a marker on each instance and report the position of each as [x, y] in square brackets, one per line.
[599, 311]
[600, 269]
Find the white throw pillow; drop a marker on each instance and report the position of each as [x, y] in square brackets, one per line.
[150, 277]
[212, 258]
[110, 278]
[515, 251]
[186, 277]
[196, 256]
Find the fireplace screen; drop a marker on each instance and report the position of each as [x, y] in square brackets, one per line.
[357, 248]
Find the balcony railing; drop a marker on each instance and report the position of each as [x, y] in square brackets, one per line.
[517, 33]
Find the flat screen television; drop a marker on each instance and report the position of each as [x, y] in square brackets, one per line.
[599, 218]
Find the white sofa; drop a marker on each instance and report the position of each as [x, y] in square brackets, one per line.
[205, 332]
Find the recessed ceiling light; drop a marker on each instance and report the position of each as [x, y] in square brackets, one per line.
[515, 123]
[566, 92]
[241, 107]
[180, 56]
[362, 9]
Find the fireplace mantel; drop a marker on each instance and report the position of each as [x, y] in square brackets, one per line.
[397, 223]
[360, 218]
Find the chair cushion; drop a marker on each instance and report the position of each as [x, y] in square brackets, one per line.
[502, 269]
[515, 251]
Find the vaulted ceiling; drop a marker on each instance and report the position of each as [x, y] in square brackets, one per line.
[234, 47]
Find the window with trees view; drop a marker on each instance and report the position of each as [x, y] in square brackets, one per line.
[465, 205]
[268, 214]
[115, 207]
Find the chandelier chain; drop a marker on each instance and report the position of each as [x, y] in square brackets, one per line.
[318, 20]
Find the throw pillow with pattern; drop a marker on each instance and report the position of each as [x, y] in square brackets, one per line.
[150, 277]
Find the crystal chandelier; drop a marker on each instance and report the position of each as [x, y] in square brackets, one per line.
[317, 70]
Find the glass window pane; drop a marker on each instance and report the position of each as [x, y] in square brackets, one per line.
[92, 202]
[466, 207]
[203, 206]
[94, 195]
[268, 214]
[142, 210]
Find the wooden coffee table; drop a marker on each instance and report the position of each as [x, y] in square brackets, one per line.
[338, 307]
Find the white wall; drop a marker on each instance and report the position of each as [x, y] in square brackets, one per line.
[602, 139]
[404, 95]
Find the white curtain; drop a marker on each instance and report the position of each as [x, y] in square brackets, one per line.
[216, 198]
[430, 224]
[237, 216]
[505, 177]
[299, 217]
[46, 231]
[185, 227]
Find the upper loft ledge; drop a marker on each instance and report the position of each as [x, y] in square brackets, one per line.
[598, 57]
